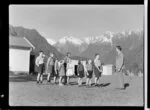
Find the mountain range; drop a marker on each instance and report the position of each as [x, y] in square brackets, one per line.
[35, 38]
[131, 42]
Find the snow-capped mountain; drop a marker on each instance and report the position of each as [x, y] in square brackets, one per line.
[51, 41]
[71, 44]
[105, 38]
[70, 39]
[103, 44]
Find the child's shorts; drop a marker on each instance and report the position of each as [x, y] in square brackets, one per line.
[81, 74]
[40, 68]
[89, 74]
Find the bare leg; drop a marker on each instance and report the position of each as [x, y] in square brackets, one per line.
[68, 80]
[60, 81]
[38, 77]
[48, 77]
[54, 79]
[41, 78]
[81, 81]
[87, 81]
[95, 80]
[90, 82]
[98, 80]
[78, 81]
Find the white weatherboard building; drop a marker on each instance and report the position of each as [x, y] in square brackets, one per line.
[107, 69]
[19, 54]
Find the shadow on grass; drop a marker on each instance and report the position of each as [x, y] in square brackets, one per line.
[104, 84]
[23, 78]
[73, 83]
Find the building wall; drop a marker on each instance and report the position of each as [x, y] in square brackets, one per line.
[19, 60]
[107, 69]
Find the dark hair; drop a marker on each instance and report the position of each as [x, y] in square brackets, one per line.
[68, 53]
[52, 53]
[119, 47]
[40, 51]
[86, 61]
[79, 62]
[96, 54]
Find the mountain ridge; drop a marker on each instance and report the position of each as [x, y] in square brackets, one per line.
[35, 38]
[130, 41]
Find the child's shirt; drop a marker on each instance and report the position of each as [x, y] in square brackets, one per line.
[62, 68]
[39, 60]
[89, 67]
[80, 67]
[56, 65]
[51, 61]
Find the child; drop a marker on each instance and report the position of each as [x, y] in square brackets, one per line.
[80, 70]
[50, 67]
[69, 71]
[40, 66]
[89, 68]
[61, 72]
[97, 68]
[56, 70]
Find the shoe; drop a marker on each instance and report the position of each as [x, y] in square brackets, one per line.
[37, 82]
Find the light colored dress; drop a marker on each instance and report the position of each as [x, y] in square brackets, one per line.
[70, 69]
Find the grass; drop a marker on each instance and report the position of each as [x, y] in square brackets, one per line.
[24, 91]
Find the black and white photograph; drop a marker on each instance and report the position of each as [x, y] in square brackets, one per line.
[76, 55]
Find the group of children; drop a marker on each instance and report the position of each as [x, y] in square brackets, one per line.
[64, 70]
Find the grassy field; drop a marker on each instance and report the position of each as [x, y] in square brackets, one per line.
[23, 91]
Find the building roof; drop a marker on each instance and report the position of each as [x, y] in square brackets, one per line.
[20, 42]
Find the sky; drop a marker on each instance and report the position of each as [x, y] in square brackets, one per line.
[56, 21]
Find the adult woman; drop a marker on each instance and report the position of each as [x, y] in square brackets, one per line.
[119, 66]
[97, 66]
